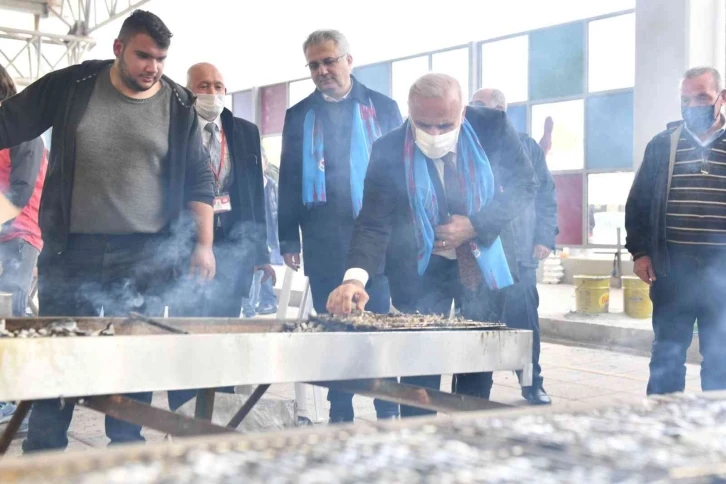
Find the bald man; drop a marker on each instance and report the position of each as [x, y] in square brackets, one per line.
[535, 231]
[240, 230]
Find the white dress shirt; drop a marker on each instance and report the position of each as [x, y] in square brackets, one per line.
[333, 100]
[362, 276]
[206, 136]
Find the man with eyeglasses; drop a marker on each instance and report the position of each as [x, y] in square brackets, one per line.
[675, 219]
[326, 144]
[535, 232]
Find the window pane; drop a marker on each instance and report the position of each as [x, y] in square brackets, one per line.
[272, 147]
[273, 103]
[606, 197]
[568, 189]
[611, 60]
[518, 116]
[610, 148]
[376, 77]
[299, 90]
[405, 73]
[567, 136]
[504, 66]
[242, 105]
[557, 61]
[456, 64]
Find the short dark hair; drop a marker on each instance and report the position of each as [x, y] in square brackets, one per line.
[143, 22]
[7, 86]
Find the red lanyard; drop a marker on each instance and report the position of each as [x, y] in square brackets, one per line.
[217, 174]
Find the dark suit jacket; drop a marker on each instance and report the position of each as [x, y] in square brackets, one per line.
[245, 224]
[386, 222]
[538, 223]
[326, 230]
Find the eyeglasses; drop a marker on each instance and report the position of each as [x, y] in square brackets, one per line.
[315, 65]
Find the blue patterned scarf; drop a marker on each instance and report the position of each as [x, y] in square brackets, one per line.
[364, 131]
[477, 180]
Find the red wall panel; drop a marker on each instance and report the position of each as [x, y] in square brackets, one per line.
[569, 208]
[273, 104]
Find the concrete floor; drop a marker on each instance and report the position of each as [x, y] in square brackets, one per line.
[574, 376]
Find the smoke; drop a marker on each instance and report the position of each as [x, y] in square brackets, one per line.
[146, 273]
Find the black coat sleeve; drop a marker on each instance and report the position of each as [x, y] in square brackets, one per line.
[257, 192]
[375, 221]
[290, 188]
[545, 203]
[30, 113]
[638, 206]
[517, 180]
[25, 160]
[198, 179]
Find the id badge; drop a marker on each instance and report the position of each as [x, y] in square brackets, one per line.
[222, 203]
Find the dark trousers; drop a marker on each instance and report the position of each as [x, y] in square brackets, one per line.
[222, 296]
[341, 403]
[119, 273]
[694, 289]
[439, 287]
[18, 260]
[219, 298]
[520, 312]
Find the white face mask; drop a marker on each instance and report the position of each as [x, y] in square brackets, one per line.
[209, 106]
[436, 146]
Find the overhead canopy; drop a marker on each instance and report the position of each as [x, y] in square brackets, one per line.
[258, 43]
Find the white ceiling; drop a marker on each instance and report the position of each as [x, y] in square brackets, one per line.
[258, 43]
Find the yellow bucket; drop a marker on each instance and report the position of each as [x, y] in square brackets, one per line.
[592, 294]
[636, 298]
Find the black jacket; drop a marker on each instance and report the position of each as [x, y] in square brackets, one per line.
[326, 230]
[538, 224]
[385, 220]
[645, 210]
[246, 221]
[25, 162]
[58, 100]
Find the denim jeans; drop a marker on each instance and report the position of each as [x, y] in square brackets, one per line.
[119, 273]
[261, 294]
[18, 259]
[693, 289]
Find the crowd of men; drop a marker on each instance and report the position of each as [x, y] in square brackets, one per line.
[156, 195]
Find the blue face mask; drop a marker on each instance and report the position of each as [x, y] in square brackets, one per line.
[699, 118]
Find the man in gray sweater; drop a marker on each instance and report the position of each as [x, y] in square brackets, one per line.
[128, 194]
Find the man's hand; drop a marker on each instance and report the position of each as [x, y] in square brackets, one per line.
[457, 232]
[292, 261]
[643, 268]
[541, 252]
[268, 273]
[203, 265]
[340, 301]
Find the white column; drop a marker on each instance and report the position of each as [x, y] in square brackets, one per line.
[661, 57]
[707, 34]
[670, 37]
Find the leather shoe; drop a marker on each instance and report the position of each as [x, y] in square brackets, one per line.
[536, 396]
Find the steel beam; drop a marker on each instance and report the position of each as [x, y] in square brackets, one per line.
[80, 17]
[145, 415]
[413, 396]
